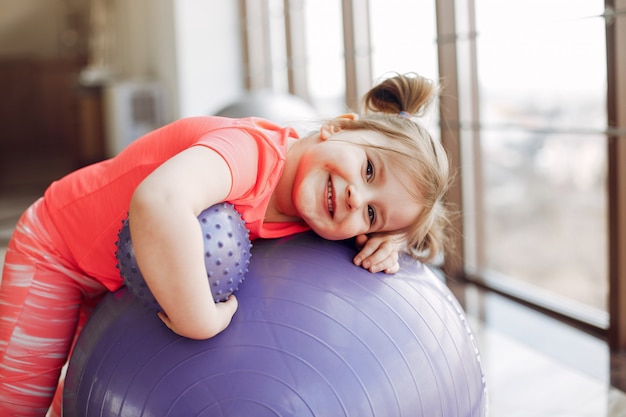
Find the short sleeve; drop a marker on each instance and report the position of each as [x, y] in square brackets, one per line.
[255, 153]
[240, 150]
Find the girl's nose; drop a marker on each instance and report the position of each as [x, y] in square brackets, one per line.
[354, 197]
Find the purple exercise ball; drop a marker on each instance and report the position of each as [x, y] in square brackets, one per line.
[314, 336]
[226, 254]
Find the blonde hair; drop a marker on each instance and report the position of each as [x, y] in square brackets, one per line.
[387, 110]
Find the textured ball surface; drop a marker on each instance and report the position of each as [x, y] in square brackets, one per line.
[226, 254]
[314, 336]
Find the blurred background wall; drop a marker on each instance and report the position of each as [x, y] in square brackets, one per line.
[60, 59]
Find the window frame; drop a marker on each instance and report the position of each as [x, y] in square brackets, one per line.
[615, 15]
[611, 326]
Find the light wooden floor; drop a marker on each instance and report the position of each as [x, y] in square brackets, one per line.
[538, 367]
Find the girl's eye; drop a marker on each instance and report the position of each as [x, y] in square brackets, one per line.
[371, 213]
[369, 171]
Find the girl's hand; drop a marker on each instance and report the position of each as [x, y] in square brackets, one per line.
[378, 253]
[224, 314]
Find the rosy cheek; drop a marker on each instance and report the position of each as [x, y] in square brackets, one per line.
[350, 228]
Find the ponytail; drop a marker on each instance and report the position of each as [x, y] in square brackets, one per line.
[410, 93]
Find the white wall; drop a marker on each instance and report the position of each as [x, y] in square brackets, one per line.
[208, 55]
[192, 47]
[161, 53]
[144, 46]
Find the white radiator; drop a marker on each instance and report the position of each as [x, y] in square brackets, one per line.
[132, 108]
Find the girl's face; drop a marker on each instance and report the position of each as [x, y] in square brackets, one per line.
[343, 188]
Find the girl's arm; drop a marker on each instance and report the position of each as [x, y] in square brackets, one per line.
[168, 244]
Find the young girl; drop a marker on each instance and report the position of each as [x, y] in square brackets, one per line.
[379, 178]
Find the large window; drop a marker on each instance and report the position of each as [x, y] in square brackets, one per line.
[325, 56]
[404, 39]
[538, 214]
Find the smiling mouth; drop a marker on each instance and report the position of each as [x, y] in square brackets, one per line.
[329, 197]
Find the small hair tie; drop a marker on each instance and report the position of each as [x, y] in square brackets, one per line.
[405, 115]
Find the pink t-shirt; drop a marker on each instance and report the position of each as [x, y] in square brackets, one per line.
[87, 206]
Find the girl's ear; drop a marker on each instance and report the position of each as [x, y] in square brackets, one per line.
[329, 128]
[349, 116]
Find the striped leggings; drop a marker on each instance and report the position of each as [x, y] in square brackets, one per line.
[44, 302]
